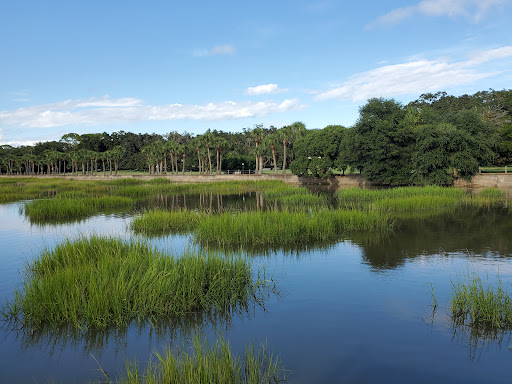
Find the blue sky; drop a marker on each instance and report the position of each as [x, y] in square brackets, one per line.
[161, 66]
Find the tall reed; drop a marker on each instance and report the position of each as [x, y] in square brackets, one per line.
[480, 305]
[204, 364]
[100, 282]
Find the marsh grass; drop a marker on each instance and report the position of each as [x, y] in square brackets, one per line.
[262, 228]
[33, 188]
[415, 203]
[480, 305]
[278, 191]
[157, 221]
[285, 228]
[202, 363]
[74, 207]
[492, 193]
[429, 198]
[100, 282]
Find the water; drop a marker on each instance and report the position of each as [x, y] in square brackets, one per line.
[358, 311]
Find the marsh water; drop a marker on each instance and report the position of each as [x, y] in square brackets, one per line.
[357, 311]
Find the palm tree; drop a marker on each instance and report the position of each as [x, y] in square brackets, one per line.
[220, 144]
[257, 134]
[289, 134]
[170, 147]
[270, 142]
[117, 153]
[147, 151]
[208, 139]
[198, 142]
[182, 148]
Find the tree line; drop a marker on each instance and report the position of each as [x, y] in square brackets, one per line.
[431, 140]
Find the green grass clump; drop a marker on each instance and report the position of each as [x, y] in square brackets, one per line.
[308, 200]
[415, 198]
[479, 305]
[279, 191]
[72, 208]
[293, 197]
[286, 228]
[205, 364]
[414, 203]
[160, 221]
[92, 284]
[263, 228]
[492, 193]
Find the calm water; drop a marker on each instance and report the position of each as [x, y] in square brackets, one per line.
[355, 312]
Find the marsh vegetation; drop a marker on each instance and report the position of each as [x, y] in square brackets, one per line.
[95, 291]
[68, 286]
[205, 363]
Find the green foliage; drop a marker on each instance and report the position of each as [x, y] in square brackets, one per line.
[381, 144]
[318, 152]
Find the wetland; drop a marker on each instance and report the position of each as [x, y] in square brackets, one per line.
[150, 281]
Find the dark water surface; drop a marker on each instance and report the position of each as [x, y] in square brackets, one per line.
[359, 311]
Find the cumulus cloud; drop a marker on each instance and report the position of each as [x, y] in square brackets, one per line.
[264, 89]
[473, 10]
[105, 110]
[419, 75]
[226, 49]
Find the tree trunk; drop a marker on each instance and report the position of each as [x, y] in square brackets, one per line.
[284, 156]
[220, 162]
[218, 165]
[183, 165]
[274, 157]
[209, 158]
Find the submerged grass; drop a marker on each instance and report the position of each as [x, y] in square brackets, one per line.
[480, 305]
[202, 363]
[101, 282]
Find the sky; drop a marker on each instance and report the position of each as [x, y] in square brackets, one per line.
[161, 66]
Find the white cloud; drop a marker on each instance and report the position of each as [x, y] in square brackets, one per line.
[226, 49]
[106, 111]
[413, 77]
[473, 10]
[482, 57]
[264, 89]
